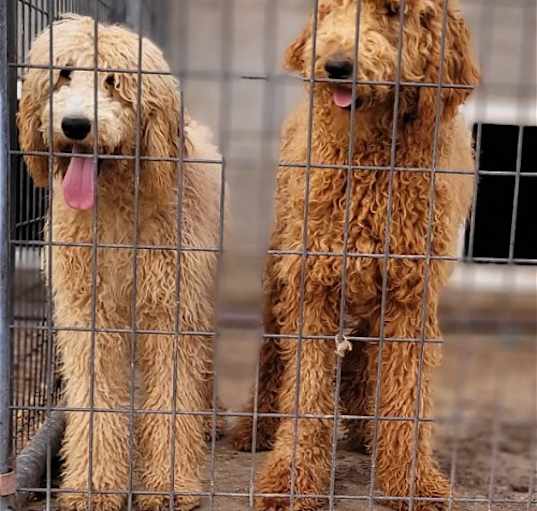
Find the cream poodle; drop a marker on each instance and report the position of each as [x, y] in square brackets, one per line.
[139, 197]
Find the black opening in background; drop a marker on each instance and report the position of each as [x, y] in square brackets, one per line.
[495, 196]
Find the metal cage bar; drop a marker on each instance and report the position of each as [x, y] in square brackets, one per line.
[5, 280]
[29, 383]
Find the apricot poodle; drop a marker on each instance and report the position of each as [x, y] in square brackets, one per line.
[158, 205]
[414, 214]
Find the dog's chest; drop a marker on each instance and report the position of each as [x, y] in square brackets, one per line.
[354, 216]
[111, 265]
[359, 211]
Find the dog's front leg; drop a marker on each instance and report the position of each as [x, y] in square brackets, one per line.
[405, 465]
[101, 436]
[164, 444]
[301, 457]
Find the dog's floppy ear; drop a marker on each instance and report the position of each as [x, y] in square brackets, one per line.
[459, 64]
[159, 131]
[160, 136]
[29, 123]
[294, 55]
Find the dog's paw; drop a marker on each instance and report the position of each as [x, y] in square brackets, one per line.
[81, 502]
[436, 487]
[284, 504]
[220, 429]
[162, 503]
[420, 505]
[437, 490]
[276, 479]
[151, 502]
[186, 503]
[241, 436]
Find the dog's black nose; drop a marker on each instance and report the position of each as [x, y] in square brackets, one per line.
[76, 128]
[339, 67]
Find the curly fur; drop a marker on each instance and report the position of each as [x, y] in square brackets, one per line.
[368, 210]
[156, 301]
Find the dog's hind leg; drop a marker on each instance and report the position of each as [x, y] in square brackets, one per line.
[353, 394]
[163, 443]
[268, 387]
[405, 463]
[270, 374]
[302, 449]
[101, 436]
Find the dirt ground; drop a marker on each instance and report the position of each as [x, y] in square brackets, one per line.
[486, 402]
[486, 436]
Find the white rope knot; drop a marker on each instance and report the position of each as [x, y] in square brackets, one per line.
[342, 345]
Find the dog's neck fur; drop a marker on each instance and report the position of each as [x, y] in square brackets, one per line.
[116, 193]
[372, 142]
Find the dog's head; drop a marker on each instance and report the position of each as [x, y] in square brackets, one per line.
[72, 110]
[432, 32]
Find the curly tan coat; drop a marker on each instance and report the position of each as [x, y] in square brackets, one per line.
[169, 365]
[410, 280]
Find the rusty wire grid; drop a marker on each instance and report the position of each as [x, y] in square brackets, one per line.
[244, 101]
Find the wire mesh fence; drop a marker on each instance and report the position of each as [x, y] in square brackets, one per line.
[34, 354]
[143, 331]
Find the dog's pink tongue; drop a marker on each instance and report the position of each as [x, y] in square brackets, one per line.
[79, 182]
[343, 97]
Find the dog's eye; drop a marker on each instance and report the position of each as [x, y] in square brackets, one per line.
[66, 74]
[393, 9]
[110, 81]
[426, 16]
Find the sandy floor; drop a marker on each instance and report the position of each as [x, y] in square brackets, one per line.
[486, 398]
[486, 435]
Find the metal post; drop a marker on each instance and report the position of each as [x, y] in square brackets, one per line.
[7, 477]
[119, 10]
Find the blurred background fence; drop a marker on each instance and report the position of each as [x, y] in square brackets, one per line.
[229, 55]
